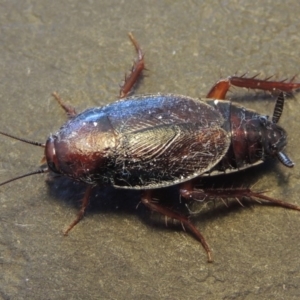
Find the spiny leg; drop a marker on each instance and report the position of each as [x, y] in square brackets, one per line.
[186, 223]
[220, 89]
[71, 112]
[136, 70]
[232, 193]
[84, 205]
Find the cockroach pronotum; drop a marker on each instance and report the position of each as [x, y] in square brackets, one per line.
[149, 142]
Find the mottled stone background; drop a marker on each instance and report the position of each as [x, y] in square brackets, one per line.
[81, 50]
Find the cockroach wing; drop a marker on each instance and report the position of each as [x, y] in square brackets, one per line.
[164, 140]
[167, 155]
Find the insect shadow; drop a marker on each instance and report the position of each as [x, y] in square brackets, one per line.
[63, 189]
[108, 200]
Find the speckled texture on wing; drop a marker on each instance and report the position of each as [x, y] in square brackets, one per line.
[165, 139]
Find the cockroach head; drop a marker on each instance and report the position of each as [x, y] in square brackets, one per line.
[51, 155]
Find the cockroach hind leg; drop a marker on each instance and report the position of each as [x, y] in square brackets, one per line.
[234, 193]
[84, 205]
[71, 112]
[274, 201]
[185, 222]
[220, 89]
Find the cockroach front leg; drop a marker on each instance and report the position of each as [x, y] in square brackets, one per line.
[71, 112]
[232, 193]
[136, 70]
[84, 205]
[186, 223]
[220, 89]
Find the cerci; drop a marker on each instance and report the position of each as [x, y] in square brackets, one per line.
[153, 141]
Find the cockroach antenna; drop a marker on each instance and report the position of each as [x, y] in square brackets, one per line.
[39, 171]
[23, 140]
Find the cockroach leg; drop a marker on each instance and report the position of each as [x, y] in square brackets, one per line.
[233, 193]
[84, 205]
[220, 89]
[273, 200]
[71, 112]
[186, 223]
[136, 70]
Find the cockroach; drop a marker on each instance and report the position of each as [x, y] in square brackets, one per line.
[154, 141]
